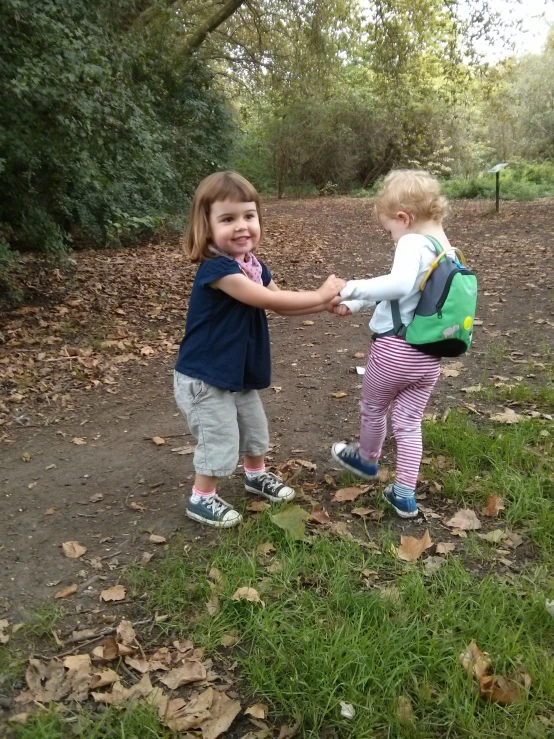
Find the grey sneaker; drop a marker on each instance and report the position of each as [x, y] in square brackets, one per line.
[271, 487]
[214, 511]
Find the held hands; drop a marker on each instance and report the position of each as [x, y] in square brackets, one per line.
[331, 288]
[341, 310]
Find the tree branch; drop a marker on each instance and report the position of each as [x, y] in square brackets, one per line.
[199, 36]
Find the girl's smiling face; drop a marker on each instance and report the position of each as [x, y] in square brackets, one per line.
[234, 227]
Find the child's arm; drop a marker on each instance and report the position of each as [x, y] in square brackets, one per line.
[305, 311]
[397, 284]
[246, 291]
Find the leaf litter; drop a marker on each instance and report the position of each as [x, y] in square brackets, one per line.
[82, 677]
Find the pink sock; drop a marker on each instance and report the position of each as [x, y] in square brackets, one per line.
[197, 494]
[253, 472]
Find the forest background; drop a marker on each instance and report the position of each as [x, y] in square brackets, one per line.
[113, 110]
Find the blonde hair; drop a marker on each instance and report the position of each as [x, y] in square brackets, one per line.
[218, 186]
[413, 191]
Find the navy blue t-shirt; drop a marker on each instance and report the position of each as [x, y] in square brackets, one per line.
[226, 342]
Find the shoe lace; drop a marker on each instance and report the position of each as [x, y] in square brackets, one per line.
[352, 449]
[271, 482]
[216, 505]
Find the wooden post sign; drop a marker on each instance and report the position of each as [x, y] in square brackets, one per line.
[496, 170]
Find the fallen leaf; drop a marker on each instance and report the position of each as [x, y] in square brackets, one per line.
[4, 638]
[64, 592]
[103, 678]
[96, 498]
[26, 457]
[140, 507]
[504, 690]
[247, 593]
[73, 549]
[117, 592]
[156, 539]
[549, 605]
[120, 695]
[347, 494]
[432, 564]
[464, 520]
[321, 517]
[507, 416]
[307, 323]
[110, 649]
[258, 506]
[213, 606]
[78, 441]
[50, 511]
[339, 394]
[258, 710]
[444, 547]
[495, 536]
[291, 518]
[265, 548]
[405, 710]
[224, 710]
[493, 506]
[359, 355]
[347, 710]
[158, 441]
[411, 548]
[184, 450]
[474, 661]
[146, 557]
[189, 672]
[229, 640]
[47, 681]
[472, 389]
[513, 540]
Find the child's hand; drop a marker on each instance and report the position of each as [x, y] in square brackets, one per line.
[330, 307]
[342, 310]
[331, 288]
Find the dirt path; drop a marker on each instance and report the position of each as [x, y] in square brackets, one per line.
[97, 367]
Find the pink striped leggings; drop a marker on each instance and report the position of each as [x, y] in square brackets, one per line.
[402, 378]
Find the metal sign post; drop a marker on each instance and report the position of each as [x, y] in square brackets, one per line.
[496, 170]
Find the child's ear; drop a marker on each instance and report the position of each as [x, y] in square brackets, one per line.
[406, 218]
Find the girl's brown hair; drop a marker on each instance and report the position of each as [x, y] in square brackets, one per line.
[218, 186]
[413, 191]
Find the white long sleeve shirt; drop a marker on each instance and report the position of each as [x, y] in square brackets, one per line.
[412, 259]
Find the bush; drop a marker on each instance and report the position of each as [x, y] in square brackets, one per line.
[103, 129]
[521, 180]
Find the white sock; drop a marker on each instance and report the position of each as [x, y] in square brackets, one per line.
[253, 474]
[198, 495]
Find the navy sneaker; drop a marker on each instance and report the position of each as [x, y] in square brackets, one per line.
[214, 511]
[348, 456]
[403, 507]
[269, 486]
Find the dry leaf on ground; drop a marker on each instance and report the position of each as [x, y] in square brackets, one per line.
[347, 494]
[339, 394]
[78, 441]
[265, 548]
[474, 661]
[493, 506]
[157, 539]
[69, 590]
[465, 520]
[504, 690]
[411, 548]
[213, 605]
[189, 672]
[158, 440]
[507, 416]
[4, 624]
[73, 549]
[247, 593]
[117, 592]
[321, 517]
[258, 506]
[443, 547]
[258, 710]
[405, 710]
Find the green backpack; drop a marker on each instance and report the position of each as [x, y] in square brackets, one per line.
[442, 325]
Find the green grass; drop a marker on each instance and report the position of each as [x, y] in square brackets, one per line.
[139, 722]
[324, 636]
[513, 461]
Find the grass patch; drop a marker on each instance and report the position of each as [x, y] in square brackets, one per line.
[513, 461]
[540, 396]
[324, 637]
[139, 722]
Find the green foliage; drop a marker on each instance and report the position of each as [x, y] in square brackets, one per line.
[103, 130]
[520, 181]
